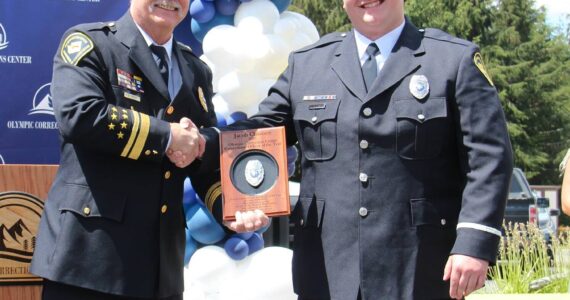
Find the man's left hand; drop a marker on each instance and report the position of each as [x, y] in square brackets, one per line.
[467, 274]
[248, 221]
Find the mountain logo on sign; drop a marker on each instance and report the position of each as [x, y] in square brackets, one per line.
[3, 38]
[42, 101]
[21, 215]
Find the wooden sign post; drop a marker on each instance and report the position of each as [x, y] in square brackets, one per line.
[23, 189]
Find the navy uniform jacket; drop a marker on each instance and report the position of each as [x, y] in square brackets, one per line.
[391, 183]
[113, 221]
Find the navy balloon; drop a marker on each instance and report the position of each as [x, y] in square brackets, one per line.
[226, 7]
[202, 11]
[199, 30]
[292, 154]
[281, 4]
[236, 116]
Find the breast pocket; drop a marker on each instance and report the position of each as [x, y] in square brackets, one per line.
[421, 127]
[127, 98]
[316, 124]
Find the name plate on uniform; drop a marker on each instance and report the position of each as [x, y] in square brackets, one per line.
[253, 166]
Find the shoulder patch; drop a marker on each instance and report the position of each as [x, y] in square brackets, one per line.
[75, 47]
[478, 60]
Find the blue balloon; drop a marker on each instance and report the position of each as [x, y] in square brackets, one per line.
[292, 154]
[264, 229]
[221, 120]
[244, 235]
[202, 11]
[236, 116]
[281, 4]
[236, 248]
[191, 247]
[199, 30]
[291, 169]
[255, 243]
[226, 7]
[189, 197]
[202, 225]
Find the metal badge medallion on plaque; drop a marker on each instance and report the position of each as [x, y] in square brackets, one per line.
[253, 165]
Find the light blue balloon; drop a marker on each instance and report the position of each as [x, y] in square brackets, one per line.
[226, 7]
[202, 11]
[191, 247]
[202, 225]
[221, 120]
[199, 30]
[281, 4]
[236, 248]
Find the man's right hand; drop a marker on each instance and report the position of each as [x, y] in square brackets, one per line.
[186, 143]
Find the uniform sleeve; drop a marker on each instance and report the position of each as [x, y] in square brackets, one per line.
[84, 110]
[486, 159]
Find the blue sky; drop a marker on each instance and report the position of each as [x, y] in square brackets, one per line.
[556, 10]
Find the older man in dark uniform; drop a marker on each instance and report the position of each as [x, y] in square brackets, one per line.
[113, 224]
[406, 160]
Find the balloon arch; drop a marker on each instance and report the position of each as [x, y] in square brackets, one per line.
[246, 44]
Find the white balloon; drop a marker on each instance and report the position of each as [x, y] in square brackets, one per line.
[220, 105]
[304, 24]
[263, 275]
[299, 41]
[218, 46]
[209, 268]
[257, 16]
[285, 28]
[239, 90]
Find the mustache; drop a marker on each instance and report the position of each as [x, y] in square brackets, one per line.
[171, 4]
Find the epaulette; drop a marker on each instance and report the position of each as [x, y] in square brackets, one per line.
[184, 47]
[328, 39]
[440, 35]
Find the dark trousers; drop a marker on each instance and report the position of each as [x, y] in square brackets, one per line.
[357, 297]
[58, 291]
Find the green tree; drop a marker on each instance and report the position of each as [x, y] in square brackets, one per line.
[327, 15]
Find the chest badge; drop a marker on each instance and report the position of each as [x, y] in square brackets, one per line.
[202, 99]
[419, 86]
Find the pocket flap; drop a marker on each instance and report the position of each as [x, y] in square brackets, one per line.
[424, 212]
[421, 111]
[316, 112]
[79, 199]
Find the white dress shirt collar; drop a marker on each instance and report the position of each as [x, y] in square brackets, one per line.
[150, 41]
[385, 43]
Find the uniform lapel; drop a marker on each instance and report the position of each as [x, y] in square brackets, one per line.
[402, 60]
[140, 54]
[346, 65]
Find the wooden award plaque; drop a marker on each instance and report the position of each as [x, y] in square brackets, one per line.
[253, 166]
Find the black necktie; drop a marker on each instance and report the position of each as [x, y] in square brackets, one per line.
[162, 61]
[370, 68]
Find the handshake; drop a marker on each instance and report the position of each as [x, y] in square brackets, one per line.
[186, 143]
